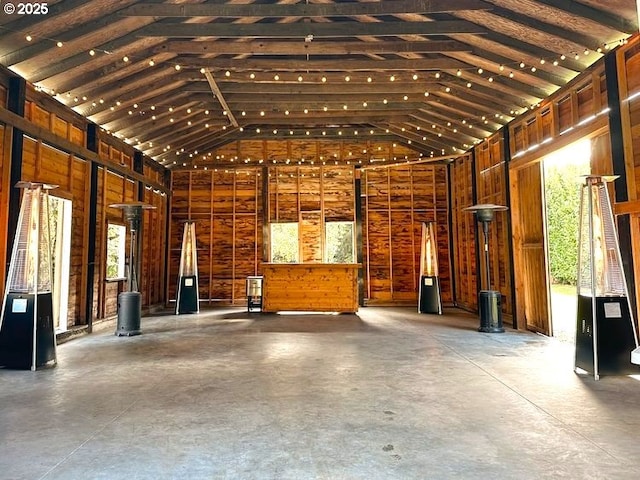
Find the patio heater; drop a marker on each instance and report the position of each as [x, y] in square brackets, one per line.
[489, 300]
[130, 301]
[187, 299]
[27, 336]
[429, 300]
[605, 331]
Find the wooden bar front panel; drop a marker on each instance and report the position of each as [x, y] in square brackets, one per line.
[313, 287]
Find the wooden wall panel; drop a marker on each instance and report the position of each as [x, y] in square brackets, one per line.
[378, 267]
[79, 239]
[396, 202]
[153, 248]
[222, 256]
[529, 248]
[573, 108]
[311, 235]
[491, 187]
[464, 234]
[628, 59]
[225, 203]
[338, 194]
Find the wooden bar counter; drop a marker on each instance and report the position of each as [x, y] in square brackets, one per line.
[312, 287]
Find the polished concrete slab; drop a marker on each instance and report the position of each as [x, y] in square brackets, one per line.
[386, 394]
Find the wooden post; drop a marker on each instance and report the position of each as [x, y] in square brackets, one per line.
[474, 201]
[266, 233]
[138, 167]
[452, 247]
[16, 104]
[619, 168]
[89, 279]
[506, 156]
[358, 239]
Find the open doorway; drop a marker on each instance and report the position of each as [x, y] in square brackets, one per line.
[562, 179]
[60, 227]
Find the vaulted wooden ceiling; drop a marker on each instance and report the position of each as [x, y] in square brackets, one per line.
[178, 79]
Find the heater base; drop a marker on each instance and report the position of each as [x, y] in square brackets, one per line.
[19, 329]
[129, 313]
[429, 295]
[605, 340]
[490, 312]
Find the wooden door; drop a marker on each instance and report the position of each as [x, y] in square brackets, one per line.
[531, 269]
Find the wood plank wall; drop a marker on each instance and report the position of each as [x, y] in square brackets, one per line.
[45, 163]
[491, 187]
[311, 196]
[227, 209]
[577, 111]
[397, 200]
[628, 58]
[464, 233]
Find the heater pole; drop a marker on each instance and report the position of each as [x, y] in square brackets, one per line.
[485, 230]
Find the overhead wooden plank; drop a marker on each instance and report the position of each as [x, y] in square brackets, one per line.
[316, 47]
[349, 65]
[599, 16]
[302, 9]
[218, 95]
[303, 30]
[533, 50]
[583, 39]
[303, 89]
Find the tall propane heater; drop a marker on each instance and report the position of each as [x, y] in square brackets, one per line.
[429, 300]
[187, 296]
[489, 301]
[27, 336]
[605, 332]
[130, 302]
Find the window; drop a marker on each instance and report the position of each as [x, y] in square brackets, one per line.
[116, 237]
[284, 243]
[339, 242]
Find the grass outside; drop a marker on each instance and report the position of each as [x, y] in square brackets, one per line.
[563, 312]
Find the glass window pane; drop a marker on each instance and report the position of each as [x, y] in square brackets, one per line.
[116, 237]
[339, 242]
[284, 243]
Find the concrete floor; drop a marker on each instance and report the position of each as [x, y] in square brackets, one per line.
[387, 394]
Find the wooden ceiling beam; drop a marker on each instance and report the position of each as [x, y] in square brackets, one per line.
[308, 30]
[533, 50]
[548, 28]
[302, 10]
[606, 18]
[546, 77]
[136, 91]
[429, 138]
[28, 22]
[119, 119]
[53, 68]
[42, 45]
[336, 65]
[297, 92]
[338, 97]
[425, 120]
[316, 47]
[471, 116]
[220, 97]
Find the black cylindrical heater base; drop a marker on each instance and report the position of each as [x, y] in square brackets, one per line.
[129, 313]
[490, 312]
[429, 295]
